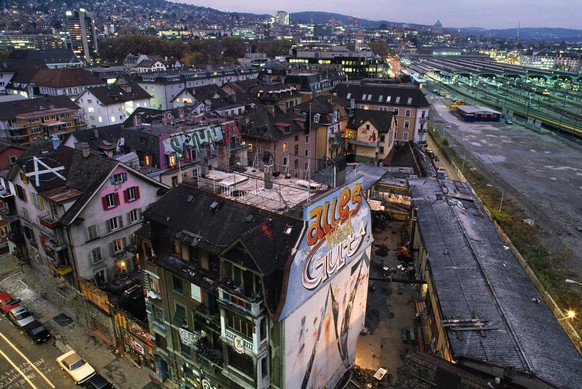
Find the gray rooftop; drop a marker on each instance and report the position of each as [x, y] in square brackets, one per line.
[476, 276]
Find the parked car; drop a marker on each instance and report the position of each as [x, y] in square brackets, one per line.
[76, 367]
[508, 121]
[37, 332]
[20, 316]
[7, 302]
[98, 382]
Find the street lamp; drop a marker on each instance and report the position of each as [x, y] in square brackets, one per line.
[502, 194]
[569, 315]
[570, 281]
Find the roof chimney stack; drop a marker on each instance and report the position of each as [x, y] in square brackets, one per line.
[85, 149]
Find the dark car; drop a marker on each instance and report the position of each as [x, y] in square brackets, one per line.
[37, 332]
[98, 382]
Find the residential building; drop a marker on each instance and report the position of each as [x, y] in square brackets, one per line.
[405, 101]
[276, 298]
[53, 58]
[22, 121]
[329, 118]
[166, 145]
[63, 82]
[280, 139]
[78, 212]
[370, 136]
[82, 36]
[111, 104]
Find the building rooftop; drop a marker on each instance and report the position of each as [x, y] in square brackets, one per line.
[478, 280]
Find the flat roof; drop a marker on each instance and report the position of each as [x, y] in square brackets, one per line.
[476, 276]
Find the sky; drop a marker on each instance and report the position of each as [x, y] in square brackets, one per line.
[488, 14]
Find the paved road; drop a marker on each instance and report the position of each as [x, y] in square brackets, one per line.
[544, 173]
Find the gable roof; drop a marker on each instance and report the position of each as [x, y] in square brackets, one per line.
[62, 78]
[381, 120]
[216, 230]
[114, 94]
[383, 94]
[49, 56]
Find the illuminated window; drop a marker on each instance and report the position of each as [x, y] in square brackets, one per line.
[284, 146]
[172, 160]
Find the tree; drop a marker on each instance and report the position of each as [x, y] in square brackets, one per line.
[380, 48]
[233, 48]
[275, 48]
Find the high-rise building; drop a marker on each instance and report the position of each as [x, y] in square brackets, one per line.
[282, 18]
[82, 37]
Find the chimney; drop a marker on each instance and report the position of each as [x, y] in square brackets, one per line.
[270, 109]
[96, 133]
[85, 149]
[56, 142]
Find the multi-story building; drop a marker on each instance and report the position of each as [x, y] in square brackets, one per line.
[62, 82]
[370, 136]
[82, 36]
[22, 121]
[406, 101]
[265, 287]
[111, 104]
[78, 212]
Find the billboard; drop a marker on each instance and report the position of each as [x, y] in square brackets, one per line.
[326, 296]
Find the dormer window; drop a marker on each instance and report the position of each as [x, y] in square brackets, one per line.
[118, 178]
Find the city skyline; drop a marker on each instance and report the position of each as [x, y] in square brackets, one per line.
[494, 14]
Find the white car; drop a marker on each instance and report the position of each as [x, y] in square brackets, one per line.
[76, 367]
[20, 316]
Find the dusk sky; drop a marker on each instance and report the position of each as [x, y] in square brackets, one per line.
[451, 13]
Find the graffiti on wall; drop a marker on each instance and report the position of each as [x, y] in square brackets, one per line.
[182, 144]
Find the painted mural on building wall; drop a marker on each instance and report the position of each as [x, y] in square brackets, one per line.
[189, 144]
[330, 271]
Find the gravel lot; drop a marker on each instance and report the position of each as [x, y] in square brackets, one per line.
[540, 171]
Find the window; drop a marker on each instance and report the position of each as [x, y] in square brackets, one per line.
[131, 194]
[284, 146]
[134, 216]
[118, 178]
[239, 324]
[241, 362]
[100, 277]
[114, 223]
[95, 256]
[158, 316]
[264, 368]
[110, 201]
[172, 160]
[21, 193]
[152, 285]
[296, 150]
[92, 232]
[176, 247]
[306, 138]
[29, 234]
[396, 111]
[161, 342]
[117, 246]
[405, 136]
[23, 177]
[307, 153]
[12, 159]
[407, 112]
[284, 161]
[177, 285]
[406, 124]
[37, 200]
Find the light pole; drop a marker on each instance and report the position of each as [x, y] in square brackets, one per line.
[502, 194]
[569, 315]
[570, 281]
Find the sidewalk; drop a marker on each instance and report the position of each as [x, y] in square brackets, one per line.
[67, 327]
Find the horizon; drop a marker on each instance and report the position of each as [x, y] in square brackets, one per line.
[494, 14]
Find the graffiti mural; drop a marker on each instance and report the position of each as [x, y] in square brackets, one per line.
[182, 144]
[326, 296]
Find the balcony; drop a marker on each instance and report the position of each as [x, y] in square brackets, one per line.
[48, 221]
[202, 312]
[235, 296]
[61, 269]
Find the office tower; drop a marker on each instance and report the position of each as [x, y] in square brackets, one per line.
[82, 36]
